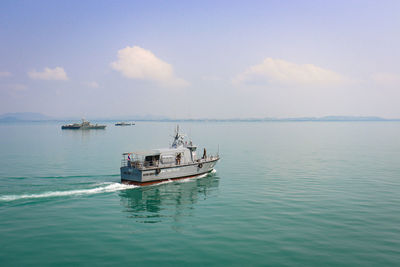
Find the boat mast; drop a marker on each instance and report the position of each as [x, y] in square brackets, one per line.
[178, 138]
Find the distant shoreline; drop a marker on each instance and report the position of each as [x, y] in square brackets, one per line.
[201, 120]
[38, 117]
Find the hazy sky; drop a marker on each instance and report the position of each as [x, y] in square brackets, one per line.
[195, 59]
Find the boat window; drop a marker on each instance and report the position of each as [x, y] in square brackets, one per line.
[152, 160]
[167, 159]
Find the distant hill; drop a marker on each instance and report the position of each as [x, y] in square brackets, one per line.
[335, 118]
[351, 118]
[134, 118]
[299, 119]
[23, 116]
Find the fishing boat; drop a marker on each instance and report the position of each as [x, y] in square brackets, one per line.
[179, 161]
[84, 125]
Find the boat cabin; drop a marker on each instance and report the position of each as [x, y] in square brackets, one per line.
[160, 157]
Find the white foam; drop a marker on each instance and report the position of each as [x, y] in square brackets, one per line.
[193, 178]
[97, 190]
[201, 176]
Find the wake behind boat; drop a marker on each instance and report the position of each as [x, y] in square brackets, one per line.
[157, 165]
[84, 125]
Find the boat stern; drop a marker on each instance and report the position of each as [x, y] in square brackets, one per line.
[130, 175]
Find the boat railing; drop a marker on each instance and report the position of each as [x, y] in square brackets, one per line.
[131, 163]
[138, 164]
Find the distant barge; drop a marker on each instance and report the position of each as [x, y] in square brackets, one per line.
[84, 125]
[158, 165]
[122, 123]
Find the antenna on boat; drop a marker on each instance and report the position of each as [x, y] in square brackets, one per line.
[178, 138]
[218, 151]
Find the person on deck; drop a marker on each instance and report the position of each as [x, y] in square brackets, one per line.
[178, 159]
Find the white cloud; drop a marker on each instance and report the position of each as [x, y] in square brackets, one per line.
[138, 63]
[281, 72]
[57, 73]
[92, 84]
[5, 74]
[386, 79]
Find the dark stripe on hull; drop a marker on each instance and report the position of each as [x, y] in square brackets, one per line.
[82, 128]
[160, 181]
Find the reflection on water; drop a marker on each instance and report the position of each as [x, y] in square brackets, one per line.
[84, 134]
[169, 200]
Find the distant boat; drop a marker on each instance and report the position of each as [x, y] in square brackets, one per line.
[84, 125]
[122, 123]
[157, 165]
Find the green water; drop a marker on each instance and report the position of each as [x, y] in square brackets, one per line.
[284, 194]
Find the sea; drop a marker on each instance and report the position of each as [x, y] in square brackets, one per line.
[283, 194]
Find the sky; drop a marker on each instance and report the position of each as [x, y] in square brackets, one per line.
[200, 59]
